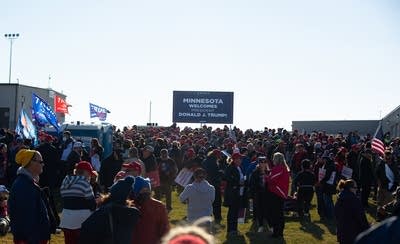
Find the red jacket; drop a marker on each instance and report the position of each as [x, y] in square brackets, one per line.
[153, 222]
[278, 181]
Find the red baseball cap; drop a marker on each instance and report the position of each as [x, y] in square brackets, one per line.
[120, 175]
[84, 165]
[133, 166]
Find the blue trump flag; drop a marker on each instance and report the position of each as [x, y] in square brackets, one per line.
[43, 113]
[97, 111]
[25, 127]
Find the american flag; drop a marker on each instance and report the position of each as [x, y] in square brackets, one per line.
[376, 143]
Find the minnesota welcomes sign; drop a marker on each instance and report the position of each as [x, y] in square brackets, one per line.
[203, 107]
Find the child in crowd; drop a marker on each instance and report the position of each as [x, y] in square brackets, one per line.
[304, 182]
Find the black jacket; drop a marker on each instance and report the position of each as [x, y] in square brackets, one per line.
[350, 217]
[97, 229]
[214, 173]
[109, 168]
[366, 171]
[257, 185]
[233, 184]
[52, 166]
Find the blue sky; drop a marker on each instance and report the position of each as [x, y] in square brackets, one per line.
[284, 60]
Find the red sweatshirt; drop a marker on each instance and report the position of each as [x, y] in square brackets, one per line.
[278, 181]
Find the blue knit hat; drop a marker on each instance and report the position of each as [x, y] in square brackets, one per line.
[141, 183]
[121, 189]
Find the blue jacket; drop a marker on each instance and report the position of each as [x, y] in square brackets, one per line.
[386, 232]
[29, 220]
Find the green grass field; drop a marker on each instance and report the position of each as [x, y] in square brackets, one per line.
[296, 231]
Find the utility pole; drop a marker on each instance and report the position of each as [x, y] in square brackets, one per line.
[11, 37]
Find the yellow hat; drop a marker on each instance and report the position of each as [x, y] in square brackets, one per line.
[24, 156]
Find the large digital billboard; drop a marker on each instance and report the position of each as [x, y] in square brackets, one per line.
[203, 107]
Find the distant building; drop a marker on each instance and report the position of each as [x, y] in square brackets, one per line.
[391, 122]
[363, 127]
[15, 96]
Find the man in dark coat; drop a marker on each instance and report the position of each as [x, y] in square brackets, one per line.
[52, 165]
[366, 175]
[234, 195]
[214, 177]
[149, 159]
[349, 213]
[167, 172]
[110, 167]
[388, 179]
[29, 219]
[114, 222]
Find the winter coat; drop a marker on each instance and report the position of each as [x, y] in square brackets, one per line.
[200, 197]
[167, 170]
[52, 166]
[109, 168]
[233, 186]
[330, 169]
[350, 217]
[27, 210]
[305, 180]
[97, 228]
[150, 163]
[278, 181]
[257, 186]
[153, 223]
[214, 172]
[385, 232]
[366, 171]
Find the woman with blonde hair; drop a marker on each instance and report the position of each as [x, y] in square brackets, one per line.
[349, 213]
[278, 187]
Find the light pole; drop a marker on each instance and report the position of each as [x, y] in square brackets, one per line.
[11, 37]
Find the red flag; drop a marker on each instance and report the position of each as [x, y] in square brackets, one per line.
[60, 106]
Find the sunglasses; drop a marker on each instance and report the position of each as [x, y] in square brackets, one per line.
[39, 161]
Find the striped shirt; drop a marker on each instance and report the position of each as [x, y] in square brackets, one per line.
[76, 186]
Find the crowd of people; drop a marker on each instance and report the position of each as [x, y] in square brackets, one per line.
[261, 171]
